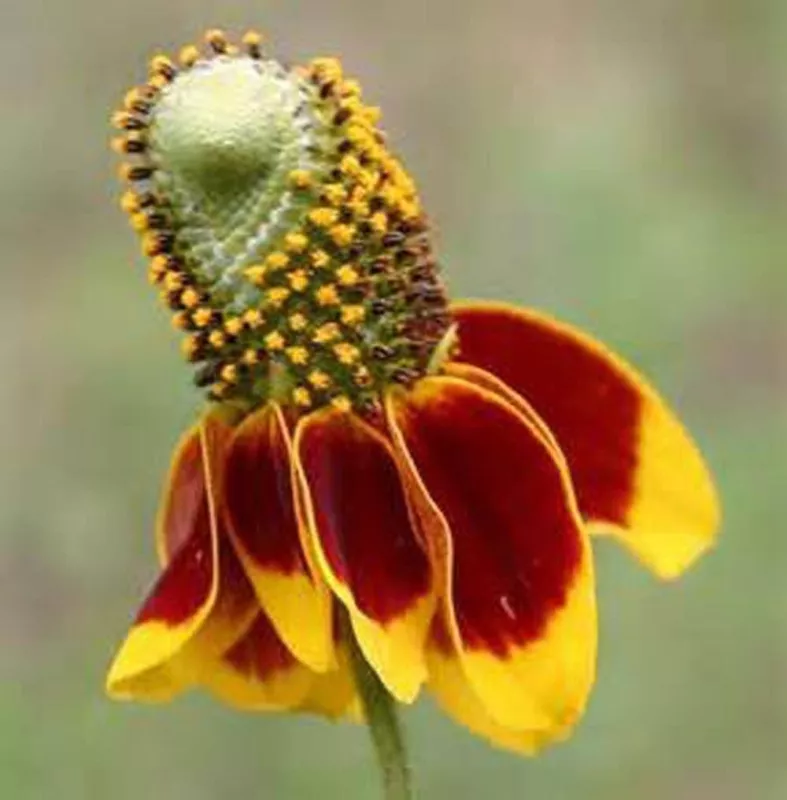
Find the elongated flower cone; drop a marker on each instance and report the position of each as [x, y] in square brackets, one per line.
[431, 471]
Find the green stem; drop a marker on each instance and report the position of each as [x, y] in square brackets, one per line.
[383, 721]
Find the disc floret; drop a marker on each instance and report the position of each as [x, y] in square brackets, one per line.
[288, 241]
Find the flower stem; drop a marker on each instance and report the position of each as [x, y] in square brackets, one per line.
[383, 721]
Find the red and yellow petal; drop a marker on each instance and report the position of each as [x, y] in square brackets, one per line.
[259, 673]
[356, 512]
[636, 471]
[486, 380]
[333, 694]
[454, 694]
[259, 508]
[183, 498]
[201, 603]
[520, 595]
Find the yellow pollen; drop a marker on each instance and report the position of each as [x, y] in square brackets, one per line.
[390, 194]
[369, 178]
[139, 222]
[358, 135]
[351, 88]
[250, 357]
[119, 119]
[334, 193]
[319, 379]
[274, 341]
[173, 281]
[157, 269]
[277, 295]
[320, 258]
[300, 179]
[251, 39]
[323, 217]
[217, 339]
[158, 82]
[353, 315]
[350, 165]
[150, 245]
[360, 208]
[298, 321]
[298, 280]
[301, 397]
[219, 389]
[229, 373]
[342, 235]
[189, 55]
[326, 333]
[189, 346]
[359, 193]
[190, 298]
[255, 274]
[129, 202]
[233, 326]
[298, 355]
[379, 222]
[216, 37]
[327, 295]
[409, 210]
[346, 353]
[353, 105]
[296, 242]
[277, 260]
[341, 403]
[252, 318]
[180, 320]
[347, 275]
[133, 96]
[329, 69]
[161, 63]
[202, 317]
[362, 377]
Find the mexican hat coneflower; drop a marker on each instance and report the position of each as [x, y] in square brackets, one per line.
[388, 490]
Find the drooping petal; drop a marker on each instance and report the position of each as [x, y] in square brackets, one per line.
[333, 694]
[449, 684]
[636, 471]
[259, 507]
[183, 499]
[521, 605]
[355, 508]
[259, 673]
[490, 382]
[201, 603]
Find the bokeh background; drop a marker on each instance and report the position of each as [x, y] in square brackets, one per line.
[621, 164]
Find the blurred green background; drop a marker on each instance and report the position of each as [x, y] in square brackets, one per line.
[621, 164]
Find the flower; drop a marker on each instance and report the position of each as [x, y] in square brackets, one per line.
[431, 470]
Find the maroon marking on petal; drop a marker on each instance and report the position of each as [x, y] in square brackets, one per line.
[592, 408]
[260, 652]
[361, 515]
[185, 585]
[184, 506]
[186, 582]
[516, 544]
[258, 494]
